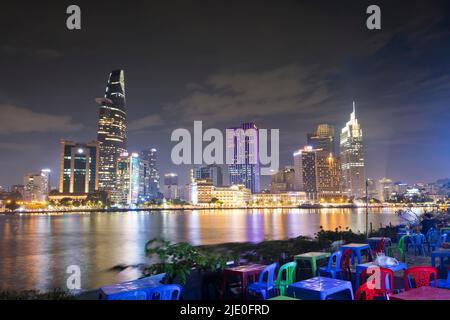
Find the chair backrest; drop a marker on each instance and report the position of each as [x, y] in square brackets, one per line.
[418, 239]
[384, 274]
[381, 246]
[289, 270]
[364, 293]
[401, 244]
[433, 236]
[420, 275]
[268, 272]
[131, 295]
[166, 292]
[336, 259]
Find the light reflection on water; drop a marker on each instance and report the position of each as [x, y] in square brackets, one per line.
[36, 250]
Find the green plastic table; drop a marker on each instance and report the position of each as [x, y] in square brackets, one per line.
[283, 298]
[313, 257]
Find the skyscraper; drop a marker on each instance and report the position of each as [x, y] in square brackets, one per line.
[322, 138]
[309, 172]
[128, 181]
[212, 173]
[111, 128]
[298, 171]
[171, 186]
[152, 189]
[244, 168]
[352, 158]
[282, 181]
[78, 167]
[36, 186]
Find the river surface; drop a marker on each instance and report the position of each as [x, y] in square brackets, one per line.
[36, 250]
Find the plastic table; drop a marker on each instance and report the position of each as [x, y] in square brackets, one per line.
[282, 298]
[244, 272]
[312, 258]
[363, 266]
[322, 286]
[423, 293]
[441, 253]
[116, 291]
[356, 248]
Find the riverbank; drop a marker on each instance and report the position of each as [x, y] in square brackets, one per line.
[203, 208]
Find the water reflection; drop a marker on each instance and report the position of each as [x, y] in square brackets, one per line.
[35, 251]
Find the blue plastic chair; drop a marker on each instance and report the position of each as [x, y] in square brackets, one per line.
[264, 287]
[131, 295]
[417, 242]
[433, 239]
[165, 292]
[444, 283]
[332, 269]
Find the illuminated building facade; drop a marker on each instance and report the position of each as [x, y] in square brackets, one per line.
[352, 158]
[282, 181]
[127, 180]
[245, 150]
[284, 198]
[170, 189]
[79, 164]
[203, 192]
[152, 188]
[36, 186]
[111, 128]
[322, 138]
[298, 171]
[211, 172]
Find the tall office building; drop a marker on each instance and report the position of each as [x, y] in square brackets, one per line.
[111, 128]
[78, 167]
[128, 180]
[309, 172]
[298, 171]
[36, 186]
[152, 188]
[322, 138]
[245, 150]
[282, 181]
[352, 158]
[212, 173]
[170, 189]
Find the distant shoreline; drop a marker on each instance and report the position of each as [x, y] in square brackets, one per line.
[190, 208]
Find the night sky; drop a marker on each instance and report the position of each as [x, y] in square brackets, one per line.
[283, 64]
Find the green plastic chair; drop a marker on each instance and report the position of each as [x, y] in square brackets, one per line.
[401, 247]
[289, 269]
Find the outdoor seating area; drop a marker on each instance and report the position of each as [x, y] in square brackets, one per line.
[360, 271]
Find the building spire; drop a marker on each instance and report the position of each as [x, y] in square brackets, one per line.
[353, 115]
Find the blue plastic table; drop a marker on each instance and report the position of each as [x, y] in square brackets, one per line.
[441, 253]
[363, 266]
[115, 291]
[356, 248]
[322, 286]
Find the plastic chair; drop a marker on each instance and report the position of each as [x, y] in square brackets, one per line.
[421, 277]
[332, 269]
[444, 283]
[345, 272]
[417, 242]
[130, 295]
[401, 247]
[366, 293]
[165, 292]
[433, 239]
[289, 269]
[263, 287]
[385, 288]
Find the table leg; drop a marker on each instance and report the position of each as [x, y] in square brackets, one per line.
[358, 255]
[224, 284]
[244, 285]
[314, 267]
[433, 260]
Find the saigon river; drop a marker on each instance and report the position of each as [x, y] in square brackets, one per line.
[35, 250]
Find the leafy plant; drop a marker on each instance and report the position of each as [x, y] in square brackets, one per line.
[178, 260]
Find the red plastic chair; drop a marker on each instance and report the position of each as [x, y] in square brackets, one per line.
[380, 247]
[346, 273]
[383, 291]
[365, 293]
[421, 277]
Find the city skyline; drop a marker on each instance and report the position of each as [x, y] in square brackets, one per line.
[401, 102]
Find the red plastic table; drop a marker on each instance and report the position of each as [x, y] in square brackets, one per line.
[423, 293]
[244, 272]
